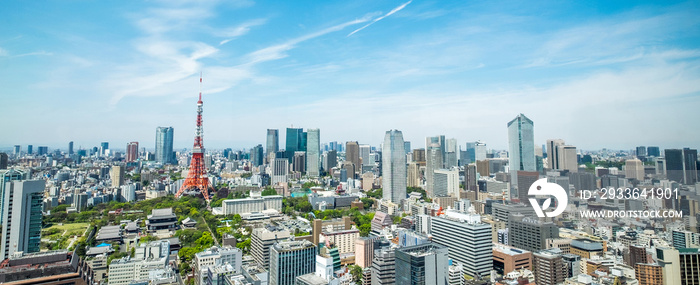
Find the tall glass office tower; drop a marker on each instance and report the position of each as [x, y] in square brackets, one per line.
[294, 142]
[313, 147]
[394, 167]
[164, 145]
[273, 141]
[521, 146]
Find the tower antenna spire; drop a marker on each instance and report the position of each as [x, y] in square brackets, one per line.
[197, 176]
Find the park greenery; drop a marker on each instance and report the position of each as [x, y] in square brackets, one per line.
[60, 227]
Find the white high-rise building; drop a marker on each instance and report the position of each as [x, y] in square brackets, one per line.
[280, 168]
[446, 183]
[313, 148]
[450, 153]
[568, 159]
[150, 261]
[468, 239]
[561, 156]
[365, 151]
[479, 151]
[216, 256]
[394, 167]
[634, 169]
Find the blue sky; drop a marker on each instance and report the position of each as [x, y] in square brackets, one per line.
[592, 73]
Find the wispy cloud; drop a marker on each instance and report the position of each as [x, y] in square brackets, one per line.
[234, 32]
[382, 17]
[5, 53]
[278, 51]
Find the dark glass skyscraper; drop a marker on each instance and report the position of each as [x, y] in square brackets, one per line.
[294, 142]
[653, 151]
[681, 165]
[256, 155]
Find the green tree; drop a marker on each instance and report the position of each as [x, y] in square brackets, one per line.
[244, 245]
[365, 229]
[269, 191]
[356, 272]
[205, 241]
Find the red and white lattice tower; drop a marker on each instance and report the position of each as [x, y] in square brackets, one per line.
[197, 176]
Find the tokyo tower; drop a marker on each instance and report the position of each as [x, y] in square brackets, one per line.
[197, 176]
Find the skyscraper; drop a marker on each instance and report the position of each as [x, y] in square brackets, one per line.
[280, 168]
[70, 147]
[422, 264]
[446, 183]
[433, 162]
[313, 148]
[450, 153]
[653, 151]
[299, 162]
[365, 150]
[132, 151]
[690, 265]
[30, 149]
[5, 177]
[394, 167]
[561, 156]
[384, 266]
[634, 169]
[330, 160]
[525, 179]
[3, 160]
[17, 150]
[641, 151]
[681, 165]
[21, 224]
[440, 141]
[521, 146]
[468, 239]
[289, 259]
[273, 141]
[256, 155]
[104, 147]
[352, 154]
[260, 242]
[552, 153]
[164, 145]
[294, 142]
[117, 176]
